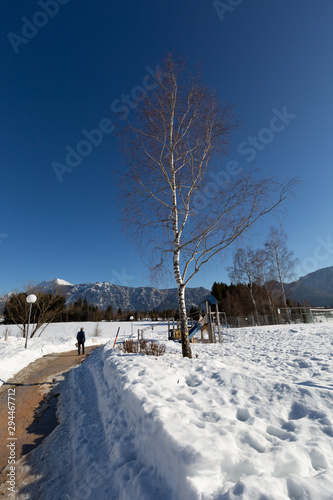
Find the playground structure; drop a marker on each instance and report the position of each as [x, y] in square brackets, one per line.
[213, 326]
[209, 325]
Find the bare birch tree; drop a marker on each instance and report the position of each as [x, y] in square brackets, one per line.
[170, 146]
[244, 271]
[281, 260]
[263, 278]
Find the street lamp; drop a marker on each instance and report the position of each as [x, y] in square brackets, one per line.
[30, 299]
[131, 318]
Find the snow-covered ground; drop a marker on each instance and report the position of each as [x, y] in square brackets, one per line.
[251, 419]
[57, 337]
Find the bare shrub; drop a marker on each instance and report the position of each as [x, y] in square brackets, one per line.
[97, 330]
[151, 348]
[143, 345]
[155, 349]
[130, 346]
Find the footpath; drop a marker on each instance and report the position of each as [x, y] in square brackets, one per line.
[28, 407]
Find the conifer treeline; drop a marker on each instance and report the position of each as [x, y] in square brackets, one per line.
[81, 310]
[235, 300]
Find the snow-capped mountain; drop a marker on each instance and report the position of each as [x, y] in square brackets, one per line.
[315, 288]
[127, 298]
[47, 285]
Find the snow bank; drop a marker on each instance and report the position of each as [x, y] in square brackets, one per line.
[248, 420]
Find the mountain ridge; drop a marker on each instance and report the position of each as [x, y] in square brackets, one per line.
[104, 294]
[315, 288]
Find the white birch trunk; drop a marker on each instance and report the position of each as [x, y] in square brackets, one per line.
[255, 306]
[282, 287]
[186, 347]
[270, 303]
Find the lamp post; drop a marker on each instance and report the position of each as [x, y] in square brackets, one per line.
[30, 299]
[131, 318]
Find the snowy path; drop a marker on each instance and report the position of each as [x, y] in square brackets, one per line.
[249, 420]
[99, 446]
[32, 391]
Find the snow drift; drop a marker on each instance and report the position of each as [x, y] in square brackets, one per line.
[248, 420]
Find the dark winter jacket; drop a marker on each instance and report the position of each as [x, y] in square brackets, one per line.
[81, 337]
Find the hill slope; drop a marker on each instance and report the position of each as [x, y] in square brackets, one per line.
[315, 288]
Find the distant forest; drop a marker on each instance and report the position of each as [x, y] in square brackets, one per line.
[234, 300]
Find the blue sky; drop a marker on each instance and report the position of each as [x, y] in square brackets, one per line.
[66, 62]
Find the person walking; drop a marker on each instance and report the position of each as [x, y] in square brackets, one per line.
[81, 338]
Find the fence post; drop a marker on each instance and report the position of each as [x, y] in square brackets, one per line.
[277, 316]
[218, 323]
[6, 334]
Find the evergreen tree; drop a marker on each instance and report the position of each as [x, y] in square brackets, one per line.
[85, 310]
[109, 313]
